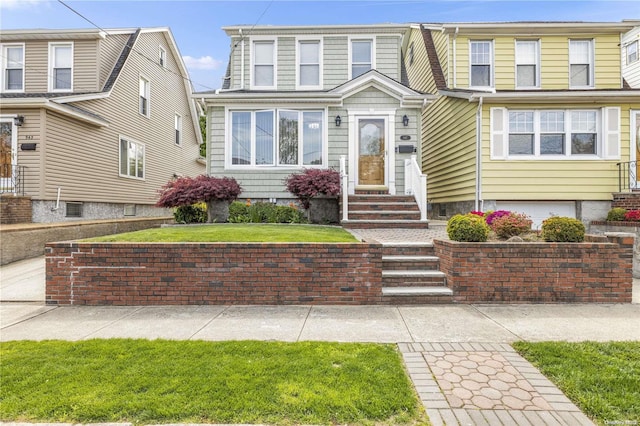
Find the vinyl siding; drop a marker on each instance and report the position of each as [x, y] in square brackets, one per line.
[286, 63]
[36, 70]
[388, 56]
[84, 160]
[448, 150]
[631, 72]
[419, 73]
[336, 61]
[31, 160]
[370, 98]
[552, 180]
[442, 43]
[110, 49]
[554, 61]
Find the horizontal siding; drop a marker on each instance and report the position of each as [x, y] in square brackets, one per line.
[441, 42]
[608, 66]
[336, 61]
[370, 98]
[110, 49]
[388, 56]
[286, 63]
[419, 73]
[552, 180]
[85, 66]
[448, 150]
[31, 160]
[36, 69]
[631, 72]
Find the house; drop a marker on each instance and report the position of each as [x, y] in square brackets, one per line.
[94, 122]
[631, 57]
[299, 97]
[533, 117]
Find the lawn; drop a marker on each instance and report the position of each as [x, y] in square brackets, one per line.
[142, 381]
[602, 379]
[235, 233]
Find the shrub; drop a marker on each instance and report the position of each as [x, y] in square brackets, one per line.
[632, 216]
[195, 213]
[477, 213]
[563, 230]
[511, 225]
[264, 213]
[616, 214]
[467, 228]
[313, 182]
[496, 214]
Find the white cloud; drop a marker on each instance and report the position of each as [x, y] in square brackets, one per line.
[202, 63]
[21, 4]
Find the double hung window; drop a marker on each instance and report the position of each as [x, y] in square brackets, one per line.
[309, 63]
[144, 93]
[361, 57]
[481, 63]
[13, 68]
[580, 63]
[287, 138]
[264, 64]
[178, 129]
[527, 64]
[632, 52]
[61, 67]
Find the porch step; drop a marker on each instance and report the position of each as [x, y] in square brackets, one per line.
[416, 295]
[403, 262]
[409, 224]
[381, 198]
[384, 206]
[408, 248]
[384, 215]
[412, 278]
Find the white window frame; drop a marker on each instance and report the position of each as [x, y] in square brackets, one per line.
[491, 64]
[568, 130]
[52, 46]
[537, 73]
[147, 95]
[177, 125]
[592, 63]
[5, 67]
[275, 165]
[411, 53]
[320, 64]
[162, 56]
[255, 40]
[372, 39]
[144, 158]
[633, 43]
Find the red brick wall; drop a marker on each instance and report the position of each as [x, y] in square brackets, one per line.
[14, 209]
[626, 200]
[591, 272]
[213, 273]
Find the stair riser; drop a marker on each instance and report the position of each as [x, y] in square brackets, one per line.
[412, 281]
[367, 225]
[409, 265]
[384, 216]
[416, 300]
[384, 207]
[381, 199]
[408, 251]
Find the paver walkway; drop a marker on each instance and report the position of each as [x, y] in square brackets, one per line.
[485, 384]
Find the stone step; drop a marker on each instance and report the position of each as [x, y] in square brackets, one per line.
[383, 206]
[383, 215]
[417, 291]
[416, 295]
[382, 199]
[409, 248]
[413, 278]
[381, 223]
[403, 262]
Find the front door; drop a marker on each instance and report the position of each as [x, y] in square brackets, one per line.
[7, 155]
[371, 149]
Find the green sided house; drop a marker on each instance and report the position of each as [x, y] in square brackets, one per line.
[530, 117]
[317, 97]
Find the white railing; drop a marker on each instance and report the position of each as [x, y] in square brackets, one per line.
[344, 187]
[416, 184]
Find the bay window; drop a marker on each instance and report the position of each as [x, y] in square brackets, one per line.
[277, 138]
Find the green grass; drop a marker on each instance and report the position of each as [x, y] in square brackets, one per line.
[602, 379]
[160, 381]
[235, 233]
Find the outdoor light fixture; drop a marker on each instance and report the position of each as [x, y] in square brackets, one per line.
[338, 121]
[18, 120]
[405, 120]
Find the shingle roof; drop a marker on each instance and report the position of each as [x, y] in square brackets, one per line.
[120, 62]
[434, 62]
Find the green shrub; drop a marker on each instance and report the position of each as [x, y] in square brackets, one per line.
[563, 230]
[194, 213]
[264, 213]
[467, 228]
[511, 225]
[616, 214]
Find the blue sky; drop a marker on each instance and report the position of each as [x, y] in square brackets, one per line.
[205, 47]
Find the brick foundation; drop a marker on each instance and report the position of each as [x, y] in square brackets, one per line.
[14, 209]
[590, 272]
[626, 200]
[213, 273]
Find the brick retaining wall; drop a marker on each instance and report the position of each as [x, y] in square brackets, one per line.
[626, 200]
[591, 272]
[14, 209]
[213, 273]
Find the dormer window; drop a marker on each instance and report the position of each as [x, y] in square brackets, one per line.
[580, 63]
[61, 67]
[361, 57]
[264, 59]
[481, 60]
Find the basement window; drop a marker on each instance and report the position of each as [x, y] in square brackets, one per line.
[130, 210]
[74, 209]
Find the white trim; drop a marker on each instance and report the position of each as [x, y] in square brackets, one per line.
[3, 69]
[592, 63]
[162, 56]
[252, 42]
[144, 158]
[5, 183]
[538, 84]
[52, 45]
[491, 64]
[362, 37]
[634, 136]
[147, 95]
[177, 126]
[320, 41]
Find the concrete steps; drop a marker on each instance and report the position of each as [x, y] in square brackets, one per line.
[383, 211]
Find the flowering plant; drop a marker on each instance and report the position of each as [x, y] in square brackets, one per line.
[632, 216]
[477, 213]
[496, 214]
[511, 225]
[313, 182]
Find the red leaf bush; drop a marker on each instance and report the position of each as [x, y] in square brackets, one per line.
[511, 225]
[632, 216]
[313, 182]
[185, 191]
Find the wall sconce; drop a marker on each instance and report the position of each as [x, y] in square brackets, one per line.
[338, 121]
[18, 120]
[405, 120]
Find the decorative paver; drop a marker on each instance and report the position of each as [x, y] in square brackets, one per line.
[485, 384]
[391, 235]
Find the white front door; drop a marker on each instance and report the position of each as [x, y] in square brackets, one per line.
[8, 155]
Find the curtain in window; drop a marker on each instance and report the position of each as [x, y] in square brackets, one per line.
[312, 138]
[288, 137]
[264, 137]
[241, 138]
[526, 60]
[580, 59]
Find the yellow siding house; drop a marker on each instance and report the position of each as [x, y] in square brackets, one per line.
[530, 117]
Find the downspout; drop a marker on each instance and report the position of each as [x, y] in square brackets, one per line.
[478, 201]
[241, 60]
[455, 59]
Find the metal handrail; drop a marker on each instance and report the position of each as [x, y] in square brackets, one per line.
[627, 177]
[12, 179]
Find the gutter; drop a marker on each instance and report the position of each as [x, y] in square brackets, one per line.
[478, 197]
[455, 59]
[53, 106]
[241, 59]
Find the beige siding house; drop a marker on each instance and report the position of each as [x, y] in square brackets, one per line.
[530, 117]
[95, 122]
[307, 96]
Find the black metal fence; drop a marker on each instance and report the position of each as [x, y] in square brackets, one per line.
[12, 179]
